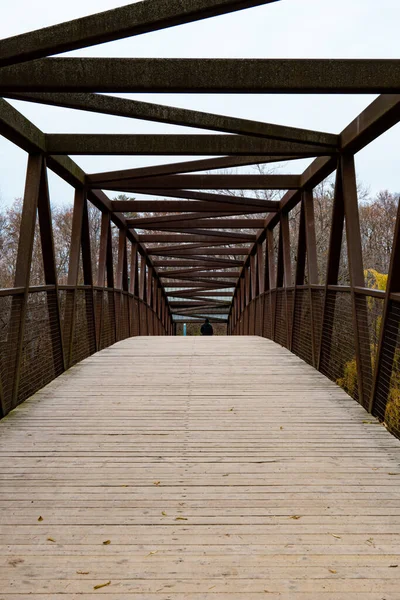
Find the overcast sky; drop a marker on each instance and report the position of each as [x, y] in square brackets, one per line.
[285, 29]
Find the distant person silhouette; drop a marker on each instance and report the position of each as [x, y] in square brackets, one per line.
[206, 328]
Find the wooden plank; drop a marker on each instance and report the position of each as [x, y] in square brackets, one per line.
[263, 475]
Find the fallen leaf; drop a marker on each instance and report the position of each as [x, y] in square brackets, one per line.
[50, 540]
[393, 566]
[164, 514]
[370, 540]
[336, 536]
[101, 585]
[152, 552]
[369, 422]
[393, 473]
[280, 427]
[40, 519]
[230, 410]
[212, 587]
[107, 542]
[156, 482]
[124, 486]
[295, 517]
[180, 519]
[83, 572]
[332, 571]
[225, 475]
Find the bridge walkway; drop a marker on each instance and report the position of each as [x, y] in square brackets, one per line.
[197, 468]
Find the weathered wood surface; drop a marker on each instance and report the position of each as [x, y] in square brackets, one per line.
[217, 468]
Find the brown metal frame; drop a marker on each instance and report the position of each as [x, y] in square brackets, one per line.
[199, 264]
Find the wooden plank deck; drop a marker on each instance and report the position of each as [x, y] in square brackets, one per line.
[197, 468]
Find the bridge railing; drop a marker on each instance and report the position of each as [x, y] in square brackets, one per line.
[62, 327]
[45, 329]
[350, 333]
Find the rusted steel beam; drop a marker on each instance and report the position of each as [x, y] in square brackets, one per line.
[382, 114]
[260, 269]
[134, 271]
[50, 269]
[197, 260]
[312, 265]
[210, 182]
[203, 274]
[169, 145]
[356, 269]
[22, 274]
[158, 75]
[210, 285]
[205, 295]
[191, 166]
[168, 206]
[209, 246]
[208, 235]
[222, 237]
[135, 19]
[101, 273]
[387, 347]
[177, 219]
[198, 271]
[205, 223]
[191, 293]
[88, 280]
[178, 116]
[121, 279]
[142, 278]
[199, 252]
[208, 197]
[73, 270]
[332, 269]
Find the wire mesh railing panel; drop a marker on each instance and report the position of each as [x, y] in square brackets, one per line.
[338, 355]
[117, 302]
[259, 316]
[135, 318]
[317, 299]
[67, 301]
[387, 396]
[302, 326]
[143, 318]
[98, 306]
[252, 317]
[369, 312]
[10, 314]
[289, 313]
[107, 337]
[84, 334]
[41, 356]
[267, 315]
[281, 318]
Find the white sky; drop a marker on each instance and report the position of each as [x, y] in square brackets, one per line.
[285, 29]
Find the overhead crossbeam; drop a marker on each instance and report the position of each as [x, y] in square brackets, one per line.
[190, 166]
[170, 145]
[244, 205]
[209, 182]
[200, 251]
[204, 223]
[135, 19]
[178, 116]
[214, 76]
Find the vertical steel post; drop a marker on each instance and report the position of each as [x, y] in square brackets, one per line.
[23, 267]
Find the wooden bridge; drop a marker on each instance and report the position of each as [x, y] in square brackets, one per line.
[194, 468]
[137, 463]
